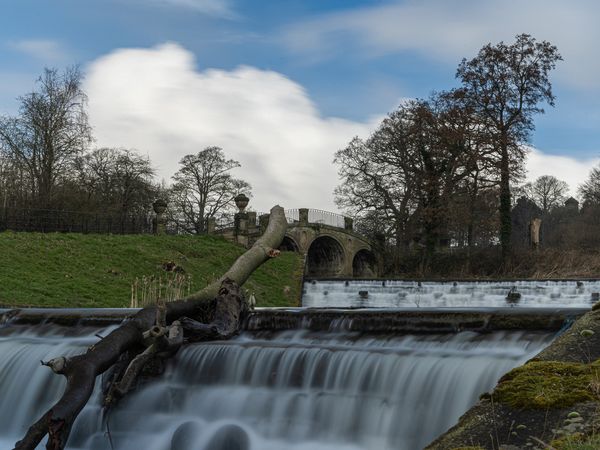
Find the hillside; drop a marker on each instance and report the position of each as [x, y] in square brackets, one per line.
[77, 270]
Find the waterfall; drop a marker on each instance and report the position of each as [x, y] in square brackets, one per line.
[396, 293]
[295, 390]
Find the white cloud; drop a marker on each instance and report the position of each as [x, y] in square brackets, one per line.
[567, 169]
[44, 50]
[450, 30]
[217, 8]
[156, 101]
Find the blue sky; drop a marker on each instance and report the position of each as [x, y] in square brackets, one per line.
[282, 84]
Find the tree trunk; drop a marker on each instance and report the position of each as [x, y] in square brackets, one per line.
[505, 216]
[221, 317]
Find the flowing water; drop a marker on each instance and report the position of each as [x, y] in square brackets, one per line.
[295, 390]
[395, 293]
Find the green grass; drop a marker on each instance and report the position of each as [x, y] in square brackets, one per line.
[577, 442]
[76, 270]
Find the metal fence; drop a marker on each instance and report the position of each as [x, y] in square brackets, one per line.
[325, 218]
[317, 216]
[51, 220]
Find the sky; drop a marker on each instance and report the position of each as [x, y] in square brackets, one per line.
[281, 85]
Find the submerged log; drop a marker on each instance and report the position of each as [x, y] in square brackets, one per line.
[214, 312]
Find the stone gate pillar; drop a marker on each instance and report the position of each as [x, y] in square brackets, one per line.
[240, 229]
[211, 225]
[159, 224]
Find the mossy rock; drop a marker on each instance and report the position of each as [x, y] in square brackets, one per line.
[548, 384]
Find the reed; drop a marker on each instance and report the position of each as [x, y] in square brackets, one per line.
[167, 287]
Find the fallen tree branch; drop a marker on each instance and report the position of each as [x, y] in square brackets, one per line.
[200, 308]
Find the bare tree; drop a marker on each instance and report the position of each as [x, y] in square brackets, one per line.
[590, 189]
[204, 187]
[547, 192]
[50, 130]
[117, 180]
[14, 182]
[410, 169]
[370, 182]
[504, 84]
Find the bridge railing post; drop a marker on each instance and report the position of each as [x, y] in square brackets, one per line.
[303, 216]
[348, 223]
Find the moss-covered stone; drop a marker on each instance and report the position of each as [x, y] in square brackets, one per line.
[468, 448]
[547, 384]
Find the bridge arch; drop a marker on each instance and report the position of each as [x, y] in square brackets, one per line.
[325, 257]
[289, 245]
[364, 264]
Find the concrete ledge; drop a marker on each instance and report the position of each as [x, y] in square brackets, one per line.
[373, 320]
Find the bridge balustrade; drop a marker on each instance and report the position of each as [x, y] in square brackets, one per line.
[316, 216]
[325, 218]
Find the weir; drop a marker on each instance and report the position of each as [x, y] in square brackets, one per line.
[472, 294]
[296, 378]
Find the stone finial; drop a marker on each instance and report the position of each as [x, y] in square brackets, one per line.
[159, 206]
[241, 201]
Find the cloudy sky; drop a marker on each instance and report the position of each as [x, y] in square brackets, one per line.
[280, 85]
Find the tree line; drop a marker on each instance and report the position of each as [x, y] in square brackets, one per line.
[446, 171]
[48, 162]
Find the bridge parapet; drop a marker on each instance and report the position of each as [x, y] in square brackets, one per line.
[299, 216]
[308, 216]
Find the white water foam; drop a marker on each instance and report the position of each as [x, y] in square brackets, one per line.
[292, 390]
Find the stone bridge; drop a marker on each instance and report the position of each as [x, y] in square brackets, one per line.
[327, 241]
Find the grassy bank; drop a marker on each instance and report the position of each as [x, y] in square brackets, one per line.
[76, 270]
[487, 264]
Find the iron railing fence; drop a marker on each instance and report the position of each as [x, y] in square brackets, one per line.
[317, 216]
[53, 220]
[325, 218]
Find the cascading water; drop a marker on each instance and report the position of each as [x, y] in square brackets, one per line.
[295, 390]
[395, 293]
